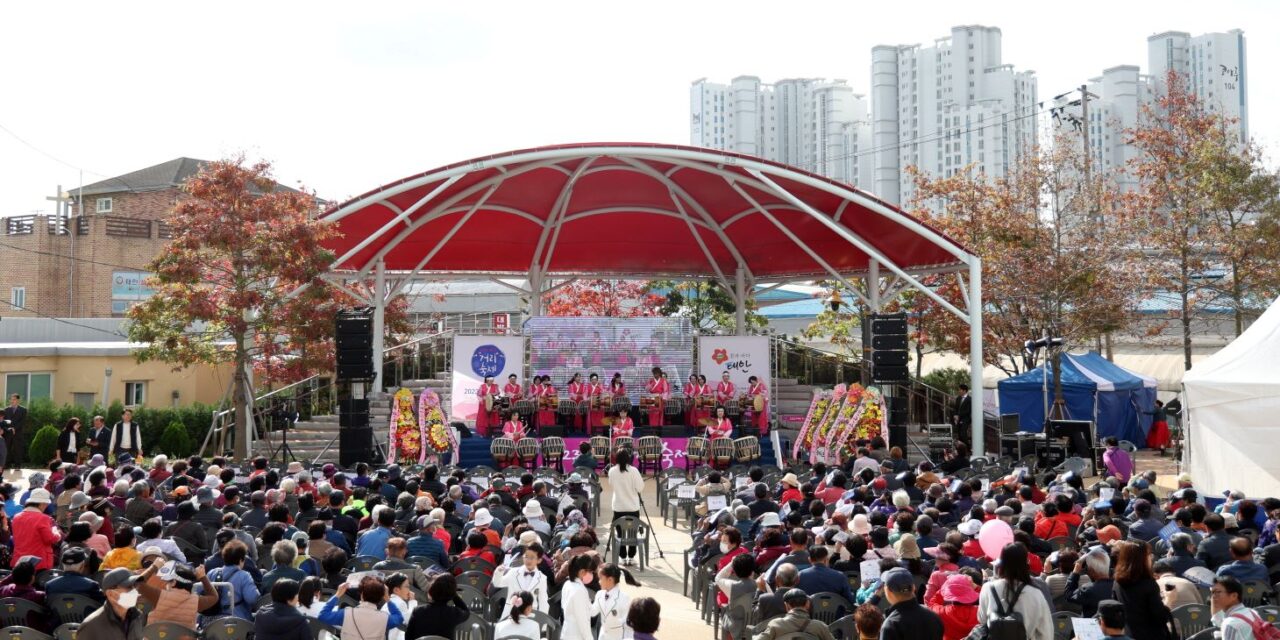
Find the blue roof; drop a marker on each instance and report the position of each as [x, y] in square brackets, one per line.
[805, 308]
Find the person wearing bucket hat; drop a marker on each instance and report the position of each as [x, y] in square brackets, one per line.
[532, 511]
[791, 489]
[956, 603]
[34, 532]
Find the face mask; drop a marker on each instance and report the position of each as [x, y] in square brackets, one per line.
[725, 547]
[128, 599]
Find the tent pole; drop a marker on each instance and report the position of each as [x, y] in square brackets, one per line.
[740, 298]
[379, 321]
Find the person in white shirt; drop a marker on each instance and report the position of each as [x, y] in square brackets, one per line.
[520, 622]
[524, 578]
[126, 437]
[1230, 615]
[401, 599]
[1018, 595]
[575, 598]
[612, 604]
[627, 483]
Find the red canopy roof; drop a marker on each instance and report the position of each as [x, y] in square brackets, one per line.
[630, 210]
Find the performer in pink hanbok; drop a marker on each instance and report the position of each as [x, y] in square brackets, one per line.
[513, 428]
[758, 394]
[722, 427]
[598, 403]
[690, 391]
[617, 387]
[725, 391]
[487, 412]
[577, 393]
[513, 389]
[623, 427]
[547, 403]
[706, 400]
[659, 391]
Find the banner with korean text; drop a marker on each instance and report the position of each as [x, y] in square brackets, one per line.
[475, 357]
[741, 356]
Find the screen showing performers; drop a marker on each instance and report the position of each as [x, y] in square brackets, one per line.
[622, 349]
[623, 426]
[721, 426]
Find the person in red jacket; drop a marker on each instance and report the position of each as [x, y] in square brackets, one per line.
[731, 547]
[957, 604]
[34, 533]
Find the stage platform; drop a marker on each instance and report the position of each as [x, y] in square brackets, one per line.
[474, 451]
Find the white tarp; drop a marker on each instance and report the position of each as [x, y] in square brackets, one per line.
[1232, 400]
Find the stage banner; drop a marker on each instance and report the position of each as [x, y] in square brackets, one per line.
[741, 356]
[475, 357]
[673, 451]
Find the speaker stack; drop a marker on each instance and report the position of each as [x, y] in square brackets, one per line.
[353, 344]
[353, 351]
[889, 367]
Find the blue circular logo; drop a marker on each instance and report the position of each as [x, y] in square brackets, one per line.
[488, 360]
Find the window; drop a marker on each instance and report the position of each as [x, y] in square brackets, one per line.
[83, 400]
[135, 393]
[18, 297]
[29, 385]
[104, 205]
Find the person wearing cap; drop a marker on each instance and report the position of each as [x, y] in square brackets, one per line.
[120, 619]
[21, 584]
[427, 545]
[206, 514]
[75, 576]
[955, 601]
[797, 620]
[34, 532]
[167, 587]
[186, 529]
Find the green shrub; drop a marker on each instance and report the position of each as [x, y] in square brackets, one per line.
[174, 441]
[947, 379]
[43, 445]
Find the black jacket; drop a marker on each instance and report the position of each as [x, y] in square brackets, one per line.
[433, 619]
[908, 620]
[1144, 610]
[1088, 597]
[17, 417]
[102, 437]
[64, 441]
[1215, 550]
[280, 622]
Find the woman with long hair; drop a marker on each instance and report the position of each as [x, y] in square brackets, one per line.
[627, 483]
[1012, 591]
[69, 442]
[612, 603]
[575, 598]
[520, 622]
[1136, 588]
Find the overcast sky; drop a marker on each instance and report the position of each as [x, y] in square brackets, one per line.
[344, 97]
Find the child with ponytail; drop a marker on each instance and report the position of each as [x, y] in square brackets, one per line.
[611, 603]
[520, 622]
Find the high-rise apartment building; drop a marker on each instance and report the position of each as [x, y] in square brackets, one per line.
[1213, 65]
[943, 107]
[810, 123]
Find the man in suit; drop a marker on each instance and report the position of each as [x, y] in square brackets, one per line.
[962, 413]
[99, 438]
[126, 436]
[13, 421]
[819, 577]
[1215, 549]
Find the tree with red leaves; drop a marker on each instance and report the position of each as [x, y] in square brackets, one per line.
[604, 298]
[223, 283]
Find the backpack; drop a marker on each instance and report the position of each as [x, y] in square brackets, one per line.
[1007, 623]
[1262, 630]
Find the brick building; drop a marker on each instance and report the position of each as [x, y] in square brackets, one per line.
[97, 271]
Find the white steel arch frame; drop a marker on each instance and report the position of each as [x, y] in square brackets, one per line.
[760, 176]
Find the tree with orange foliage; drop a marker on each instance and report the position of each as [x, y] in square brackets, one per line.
[223, 283]
[1208, 207]
[604, 298]
[1056, 255]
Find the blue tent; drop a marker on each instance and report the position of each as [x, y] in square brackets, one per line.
[1094, 389]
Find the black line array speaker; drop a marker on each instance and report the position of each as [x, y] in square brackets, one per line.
[889, 348]
[353, 344]
[355, 436]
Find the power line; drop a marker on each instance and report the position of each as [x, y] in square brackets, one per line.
[63, 256]
[940, 134]
[46, 154]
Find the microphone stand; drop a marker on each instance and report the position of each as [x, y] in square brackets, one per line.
[652, 532]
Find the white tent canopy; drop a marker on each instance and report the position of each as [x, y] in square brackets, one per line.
[1233, 413]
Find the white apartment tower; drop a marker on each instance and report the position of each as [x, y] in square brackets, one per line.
[943, 107]
[810, 123]
[1213, 65]
[1115, 105]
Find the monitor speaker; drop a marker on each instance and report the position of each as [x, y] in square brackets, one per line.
[353, 344]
